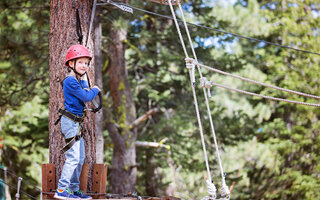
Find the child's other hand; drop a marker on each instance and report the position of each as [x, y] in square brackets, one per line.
[97, 88]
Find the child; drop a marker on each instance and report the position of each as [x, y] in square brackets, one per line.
[75, 92]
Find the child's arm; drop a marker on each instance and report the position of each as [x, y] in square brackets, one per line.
[74, 88]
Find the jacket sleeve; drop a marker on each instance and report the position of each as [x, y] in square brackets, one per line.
[73, 86]
[84, 84]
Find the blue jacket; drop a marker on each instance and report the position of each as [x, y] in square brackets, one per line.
[75, 95]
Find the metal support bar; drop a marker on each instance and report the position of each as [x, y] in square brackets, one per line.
[18, 188]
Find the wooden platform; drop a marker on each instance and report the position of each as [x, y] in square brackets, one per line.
[130, 198]
[98, 184]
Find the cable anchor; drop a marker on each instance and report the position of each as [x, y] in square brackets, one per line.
[120, 6]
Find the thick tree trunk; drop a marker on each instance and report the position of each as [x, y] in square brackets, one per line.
[62, 36]
[123, 177]
[99, 82]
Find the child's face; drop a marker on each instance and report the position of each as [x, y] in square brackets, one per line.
[82, 65]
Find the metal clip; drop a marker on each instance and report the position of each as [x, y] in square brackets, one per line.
[121, 7]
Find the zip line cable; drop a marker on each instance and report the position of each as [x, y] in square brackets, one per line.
[216, 30]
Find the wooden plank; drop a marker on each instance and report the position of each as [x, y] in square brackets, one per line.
[48, 179]
[163, 198]
[84, 177]
[99, 180]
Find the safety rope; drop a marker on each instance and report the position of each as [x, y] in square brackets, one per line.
[256, 82]
[191, 67]
[78, 22]
[224, 187]
[91, 21]
[212, 83]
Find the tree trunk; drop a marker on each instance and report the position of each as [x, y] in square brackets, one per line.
[123, 177]
[99, 82]
[62, 36]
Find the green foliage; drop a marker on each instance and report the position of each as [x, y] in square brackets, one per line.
[279, 162]
[25, 140]
[24, 44]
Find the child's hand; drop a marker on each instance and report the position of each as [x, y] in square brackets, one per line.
[97, 88]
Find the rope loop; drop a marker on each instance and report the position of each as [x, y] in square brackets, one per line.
[74, 5]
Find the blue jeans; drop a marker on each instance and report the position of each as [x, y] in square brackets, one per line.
[74, 157]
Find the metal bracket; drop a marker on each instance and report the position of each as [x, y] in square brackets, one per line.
[120, 6]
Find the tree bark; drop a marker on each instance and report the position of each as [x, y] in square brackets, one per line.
[123, 177]
[99, 82]
[62, 36]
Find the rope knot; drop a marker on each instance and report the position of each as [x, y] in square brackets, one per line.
[212, 191]
[205, 83]
[225, 192]
[190, 63]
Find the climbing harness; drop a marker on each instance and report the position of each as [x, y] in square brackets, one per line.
[71, 116]
[72, 140]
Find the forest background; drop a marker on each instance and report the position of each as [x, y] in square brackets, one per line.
[270, 150]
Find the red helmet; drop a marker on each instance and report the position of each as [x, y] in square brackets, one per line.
[77, 51]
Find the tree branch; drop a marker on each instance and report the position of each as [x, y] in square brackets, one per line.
[153, 144]
[138, 121]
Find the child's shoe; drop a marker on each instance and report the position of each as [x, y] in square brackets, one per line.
[82, 195]
[64, 194]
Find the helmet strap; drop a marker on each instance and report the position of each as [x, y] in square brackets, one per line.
[74, 69]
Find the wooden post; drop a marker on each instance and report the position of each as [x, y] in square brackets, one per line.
[48, 180]
[84, 177]
[99, 180]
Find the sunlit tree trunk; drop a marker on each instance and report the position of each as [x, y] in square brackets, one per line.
[62, 36]
[124, 171]
[99, 82]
